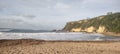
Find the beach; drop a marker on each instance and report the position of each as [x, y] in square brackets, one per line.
[30, 46]
[111, 34]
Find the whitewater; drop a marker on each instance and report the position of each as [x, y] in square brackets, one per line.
[64, 36]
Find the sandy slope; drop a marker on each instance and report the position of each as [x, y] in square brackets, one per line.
[65, 47]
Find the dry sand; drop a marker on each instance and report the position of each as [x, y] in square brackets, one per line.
[58, 47]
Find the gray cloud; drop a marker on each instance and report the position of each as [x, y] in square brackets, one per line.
[27, 16]
[51, 14]
[7, 22]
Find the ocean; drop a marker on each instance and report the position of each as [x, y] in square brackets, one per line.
[55, 36]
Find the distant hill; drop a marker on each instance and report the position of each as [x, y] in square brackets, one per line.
[22, 30]
[100, 24]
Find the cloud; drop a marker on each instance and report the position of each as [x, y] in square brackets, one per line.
[18, 22]
[8, 22]
[27, 16]
[51, 13]
[100, 4]
[23, 22]
[62, 6]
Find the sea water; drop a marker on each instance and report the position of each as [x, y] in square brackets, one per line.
[68, 36]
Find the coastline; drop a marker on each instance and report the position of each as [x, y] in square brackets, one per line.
[106, 33]
[30, 46]
[111, 34]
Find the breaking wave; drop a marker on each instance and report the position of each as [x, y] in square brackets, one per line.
[57, 36]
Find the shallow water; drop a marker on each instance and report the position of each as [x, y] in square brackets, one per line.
[58, 36]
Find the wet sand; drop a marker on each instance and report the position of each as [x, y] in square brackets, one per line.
[111, 34]
[58, 47]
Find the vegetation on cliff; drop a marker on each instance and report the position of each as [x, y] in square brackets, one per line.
[111, 22]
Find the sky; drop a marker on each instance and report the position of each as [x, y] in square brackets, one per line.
[51, 14]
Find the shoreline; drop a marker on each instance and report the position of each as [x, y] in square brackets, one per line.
[106, 33]
[111, 34]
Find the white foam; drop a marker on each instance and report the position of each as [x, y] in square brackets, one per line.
[48, 36]
[1, 33]
[52, 36]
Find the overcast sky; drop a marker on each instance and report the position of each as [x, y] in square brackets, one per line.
[51, 14]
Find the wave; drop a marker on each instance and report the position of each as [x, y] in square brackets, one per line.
[57, 36]
[0, 33]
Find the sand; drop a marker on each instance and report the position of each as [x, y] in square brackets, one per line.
[111, 34]
[58, 47]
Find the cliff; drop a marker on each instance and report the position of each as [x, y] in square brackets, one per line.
[100, 24]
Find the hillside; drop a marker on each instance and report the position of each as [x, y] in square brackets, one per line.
[22, 30]
[100, 24]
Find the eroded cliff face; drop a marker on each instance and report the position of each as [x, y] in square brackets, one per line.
[101, 29]
[70, 27]
[75, 30]
[90, 29]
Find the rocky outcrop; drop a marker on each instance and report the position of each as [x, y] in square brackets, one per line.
[100, 24]
[75, 30]
[101, 29]
[90, 29]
